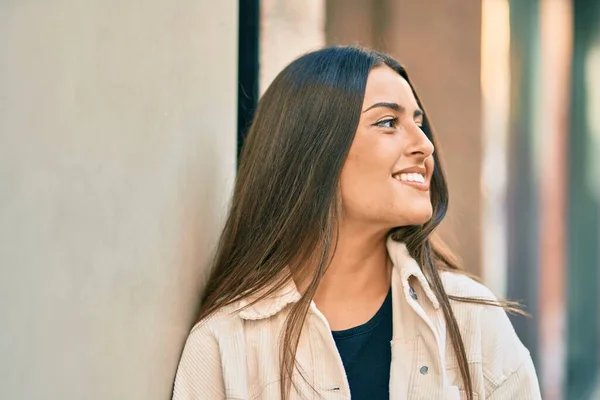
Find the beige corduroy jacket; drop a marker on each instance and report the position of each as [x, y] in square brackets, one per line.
[234, 354]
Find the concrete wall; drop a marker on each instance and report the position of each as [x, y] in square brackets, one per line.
[117, 156]
[288, 29]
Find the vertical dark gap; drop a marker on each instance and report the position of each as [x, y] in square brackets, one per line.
[583, 217]
[522, 198]
[248, 56]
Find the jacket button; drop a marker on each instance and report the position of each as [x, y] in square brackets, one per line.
[424, 370]
[412, 293]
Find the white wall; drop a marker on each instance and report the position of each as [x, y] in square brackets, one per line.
[288, 29]
[117, 156]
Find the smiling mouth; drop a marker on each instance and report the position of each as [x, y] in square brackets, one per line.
[410, 177]
[413, 179]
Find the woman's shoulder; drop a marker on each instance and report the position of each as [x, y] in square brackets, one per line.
[200, 371]
[487, 316]
[489, 336]
[223, 322]
[462, 285]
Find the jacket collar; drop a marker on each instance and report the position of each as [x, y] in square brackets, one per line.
[403, 264]
[408, 267]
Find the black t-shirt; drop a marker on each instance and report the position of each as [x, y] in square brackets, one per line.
[366, 354]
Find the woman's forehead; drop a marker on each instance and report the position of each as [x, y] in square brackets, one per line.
[386, 85]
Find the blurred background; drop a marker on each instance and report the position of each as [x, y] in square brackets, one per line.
[121, 122]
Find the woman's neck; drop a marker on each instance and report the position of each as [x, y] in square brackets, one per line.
[360, 268]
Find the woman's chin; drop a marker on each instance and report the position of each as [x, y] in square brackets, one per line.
[415, 218]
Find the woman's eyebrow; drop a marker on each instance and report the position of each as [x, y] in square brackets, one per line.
[396, 107]
[393, 106]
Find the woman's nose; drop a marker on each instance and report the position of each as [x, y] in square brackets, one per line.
[420, 143]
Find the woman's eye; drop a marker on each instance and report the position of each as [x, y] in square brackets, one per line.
[389, 123]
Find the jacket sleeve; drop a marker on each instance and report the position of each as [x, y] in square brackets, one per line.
[507, 362]
[199, 375]
[507, 371]
[521, 384]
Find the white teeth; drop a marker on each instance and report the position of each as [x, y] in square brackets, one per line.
[412, 177]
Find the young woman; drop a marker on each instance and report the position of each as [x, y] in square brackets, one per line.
[326, 283]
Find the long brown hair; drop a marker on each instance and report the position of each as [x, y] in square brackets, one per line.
[285, 205]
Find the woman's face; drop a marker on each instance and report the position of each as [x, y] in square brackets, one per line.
[385, 179]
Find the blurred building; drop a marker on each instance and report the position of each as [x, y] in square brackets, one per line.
[513, 89]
